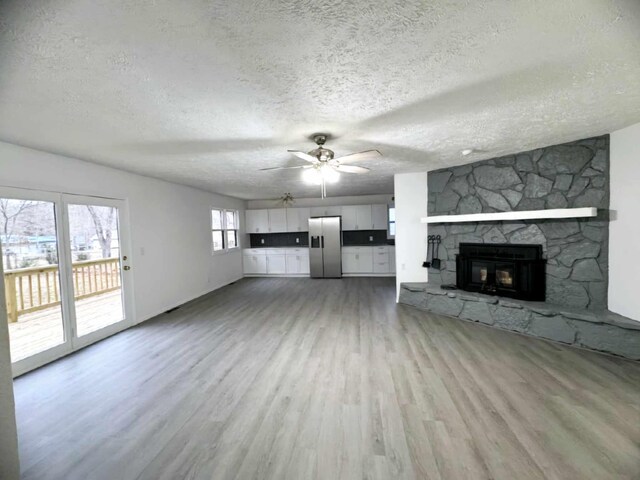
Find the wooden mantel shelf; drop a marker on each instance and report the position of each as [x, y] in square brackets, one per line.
[523, 215]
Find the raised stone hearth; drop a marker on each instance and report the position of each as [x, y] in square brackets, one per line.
[602, 331]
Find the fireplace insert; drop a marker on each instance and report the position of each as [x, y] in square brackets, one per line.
[516, 271]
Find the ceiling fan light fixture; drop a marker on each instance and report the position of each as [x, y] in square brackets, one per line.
[329, 174]
[312, 176]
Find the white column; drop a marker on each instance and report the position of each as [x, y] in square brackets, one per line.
[410, 190]
[9, 461]
[624, 228]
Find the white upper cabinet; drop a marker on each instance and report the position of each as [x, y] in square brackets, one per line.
[326, 211]
[349, 218]
[364, 217]
[277, 220]
[273, 220]
[298, 219]
[379, 218]
[257, 221]
[356, 217]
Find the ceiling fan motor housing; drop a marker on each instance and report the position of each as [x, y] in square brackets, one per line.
[320, 138]
[322, 154]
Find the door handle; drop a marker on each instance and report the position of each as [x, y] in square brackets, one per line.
[126, 267]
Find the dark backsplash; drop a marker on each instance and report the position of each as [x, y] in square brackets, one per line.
[360, 237]
[364, 237]
[279, 239]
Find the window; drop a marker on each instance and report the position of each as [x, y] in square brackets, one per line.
[392, 221]
[224, 229]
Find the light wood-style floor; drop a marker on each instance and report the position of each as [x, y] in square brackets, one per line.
[327, 379]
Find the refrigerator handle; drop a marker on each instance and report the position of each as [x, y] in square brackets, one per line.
[322, 237]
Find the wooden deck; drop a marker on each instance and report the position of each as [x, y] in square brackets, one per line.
[41, 330]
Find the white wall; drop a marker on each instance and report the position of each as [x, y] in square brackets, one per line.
[9, 460]
[624, 229]
[170, 222]
[411, 235]
[329, 201]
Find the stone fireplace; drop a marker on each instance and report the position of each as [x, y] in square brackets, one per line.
[546, 277]
[575, 174]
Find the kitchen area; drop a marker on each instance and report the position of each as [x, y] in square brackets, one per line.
[356, 240]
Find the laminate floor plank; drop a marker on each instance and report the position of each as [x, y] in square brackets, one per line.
[299, 379]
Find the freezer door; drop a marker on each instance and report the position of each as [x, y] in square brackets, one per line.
[316, 269]
[332, 251]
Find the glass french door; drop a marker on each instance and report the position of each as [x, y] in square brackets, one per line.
[65, 272]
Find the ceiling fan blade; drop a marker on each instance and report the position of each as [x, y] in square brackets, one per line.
[354, 157]
[286, 168]
[351, 169]
[304, 156]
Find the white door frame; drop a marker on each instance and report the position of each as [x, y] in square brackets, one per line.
[67, 301]
[126, 280]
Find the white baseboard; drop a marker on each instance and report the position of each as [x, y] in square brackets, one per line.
[187, 300]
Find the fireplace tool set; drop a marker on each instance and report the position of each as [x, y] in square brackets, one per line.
[433, 247]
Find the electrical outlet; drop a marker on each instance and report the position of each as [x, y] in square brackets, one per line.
[371, 238]
[297, 240]
[142, 251]
[262, 241]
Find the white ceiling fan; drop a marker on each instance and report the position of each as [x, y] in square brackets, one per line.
[324, 168]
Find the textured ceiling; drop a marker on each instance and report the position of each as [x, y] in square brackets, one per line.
[207, 92]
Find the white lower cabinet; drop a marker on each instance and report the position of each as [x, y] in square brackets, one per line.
[255, 264]
[378, 260]
[298, 264]
[276, 261]
[381, 259]
[349, 262]
[363, 260]
[276, 264]
[357, 259]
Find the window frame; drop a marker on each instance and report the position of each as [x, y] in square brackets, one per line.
[389, 221]
[224, 230]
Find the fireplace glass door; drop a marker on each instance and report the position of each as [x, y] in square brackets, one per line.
[504, 276]
[479, 273]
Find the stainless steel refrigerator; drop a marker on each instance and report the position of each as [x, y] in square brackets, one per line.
[325, 247]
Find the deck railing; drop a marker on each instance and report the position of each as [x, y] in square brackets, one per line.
[36, 288]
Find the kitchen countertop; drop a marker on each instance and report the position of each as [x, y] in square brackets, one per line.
[370, 245]
[277, 248]
[306, 246]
